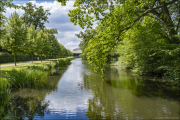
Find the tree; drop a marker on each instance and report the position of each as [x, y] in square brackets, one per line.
[31, 44]
[55, 48]
[165, 11]
[51, 39]
[118, 17]
[42, 43]
[36, 16]
[16, 35]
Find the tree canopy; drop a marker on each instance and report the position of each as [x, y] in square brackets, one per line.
[146, 33]
[35, 15]
[128, 11]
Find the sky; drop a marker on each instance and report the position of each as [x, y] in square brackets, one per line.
[58, 19]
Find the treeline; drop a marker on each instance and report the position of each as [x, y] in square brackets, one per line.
[145, 33]
[27, 34]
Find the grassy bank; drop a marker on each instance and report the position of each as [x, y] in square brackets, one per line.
[31, 75]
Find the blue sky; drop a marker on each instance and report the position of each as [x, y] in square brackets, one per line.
[58, 19]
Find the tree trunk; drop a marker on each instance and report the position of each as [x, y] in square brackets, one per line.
[15, 59]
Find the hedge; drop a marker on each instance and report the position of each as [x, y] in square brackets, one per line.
[7, 57]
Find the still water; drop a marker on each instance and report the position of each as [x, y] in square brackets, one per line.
[76, 92]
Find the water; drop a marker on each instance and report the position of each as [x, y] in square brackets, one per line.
[76, 92]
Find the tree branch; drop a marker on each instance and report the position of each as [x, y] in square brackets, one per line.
[145, 13]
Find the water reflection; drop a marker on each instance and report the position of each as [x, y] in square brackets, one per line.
[20, 108]
[123, 96]
[69, 101]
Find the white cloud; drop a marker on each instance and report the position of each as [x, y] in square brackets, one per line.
[71, 45]
[58, 19]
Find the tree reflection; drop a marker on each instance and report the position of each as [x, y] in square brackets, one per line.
[122, 96]
[19, 108]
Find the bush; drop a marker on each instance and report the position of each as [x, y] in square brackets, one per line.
[64, 62]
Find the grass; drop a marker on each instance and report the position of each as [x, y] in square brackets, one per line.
[29, 75]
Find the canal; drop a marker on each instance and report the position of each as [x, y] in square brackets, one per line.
[76, 92]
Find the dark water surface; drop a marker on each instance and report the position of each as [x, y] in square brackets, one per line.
[76, 92]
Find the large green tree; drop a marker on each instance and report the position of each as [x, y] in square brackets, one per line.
[117, 17]
[42, 43]
[35, 15]
[16, 35]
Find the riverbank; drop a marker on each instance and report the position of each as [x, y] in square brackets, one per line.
[30, 75]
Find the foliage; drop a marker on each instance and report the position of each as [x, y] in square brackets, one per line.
[153, 55]
[35, 15]
[128, 12]
[28, 35]
[145, 33]
[48, 44]
[85, 37]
